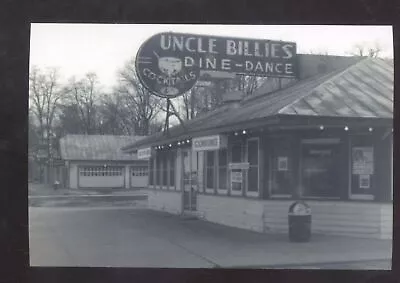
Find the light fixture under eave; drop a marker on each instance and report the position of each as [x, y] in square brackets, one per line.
[321, 127]
[346, 128]
[235, 133]
[170, 145]
[187, 141]
[244, 132]
[370, 129]
[179, 143]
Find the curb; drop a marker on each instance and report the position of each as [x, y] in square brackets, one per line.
[308, 264]
[90, 208]
[84, 196]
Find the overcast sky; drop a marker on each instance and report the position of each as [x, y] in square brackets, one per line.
[104, 48]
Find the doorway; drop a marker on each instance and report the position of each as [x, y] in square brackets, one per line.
[190, 180]
[320, 169]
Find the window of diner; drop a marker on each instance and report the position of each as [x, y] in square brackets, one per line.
[165, 169]
[281, 164]
[253, 172]
[362, 163]
[158, 169]
[210, 169]
[151, 171]
[194, 168]
[201, 170]
[237, 174]
[222, 170]
[172, 162]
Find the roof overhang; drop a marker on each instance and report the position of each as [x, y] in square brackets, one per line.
[273, 120]
[276, 122]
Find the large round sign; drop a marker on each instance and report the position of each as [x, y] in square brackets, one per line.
[164, 71]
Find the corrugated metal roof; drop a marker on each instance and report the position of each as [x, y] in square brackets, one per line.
[363, 89]
[96, 147]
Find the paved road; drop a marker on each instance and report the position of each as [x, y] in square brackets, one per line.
[127, 237]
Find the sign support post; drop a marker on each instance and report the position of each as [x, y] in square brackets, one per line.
[166, 126]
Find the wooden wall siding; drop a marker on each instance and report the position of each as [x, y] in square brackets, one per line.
[170, 202]
[275, 216]
[346, 218]
[367, 220]
[350, 219]
[230, 211]
[386, 220]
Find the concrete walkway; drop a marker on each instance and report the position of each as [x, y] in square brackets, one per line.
[129, 237]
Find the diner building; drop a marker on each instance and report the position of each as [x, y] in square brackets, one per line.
[325, 138]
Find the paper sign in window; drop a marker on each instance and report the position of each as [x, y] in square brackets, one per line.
[363, 160]
[364, 181]
[282, 163]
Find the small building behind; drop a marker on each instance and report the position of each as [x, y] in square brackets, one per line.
[96, 161]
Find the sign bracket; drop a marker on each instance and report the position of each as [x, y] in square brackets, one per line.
[169, 114]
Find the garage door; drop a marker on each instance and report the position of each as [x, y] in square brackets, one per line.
[139, 176]
[101, 177]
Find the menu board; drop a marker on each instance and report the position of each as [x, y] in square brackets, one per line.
[363, 160]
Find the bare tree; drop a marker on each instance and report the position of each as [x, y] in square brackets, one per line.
[44, 94]
[248, 84]
[44, 97]
[372, 50]
[141, 104]
[115, 116]
[84, 95]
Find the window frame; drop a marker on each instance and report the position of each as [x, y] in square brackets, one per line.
[208, 190]
[315, 141]
[219, 190]
[171, 163]
[247, 192]
[164, 171]
[242, 158]
[272, 163]
[351, 195]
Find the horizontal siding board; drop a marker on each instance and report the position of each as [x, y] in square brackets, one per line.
[367, 225]
[346, 229]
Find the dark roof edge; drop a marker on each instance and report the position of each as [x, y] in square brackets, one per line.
[235, 127]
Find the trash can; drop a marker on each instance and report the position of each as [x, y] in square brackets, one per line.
[56, 185]
[299, 219]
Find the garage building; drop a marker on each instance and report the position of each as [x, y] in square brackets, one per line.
[96, 161]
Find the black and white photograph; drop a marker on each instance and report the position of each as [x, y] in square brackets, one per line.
[211, 146]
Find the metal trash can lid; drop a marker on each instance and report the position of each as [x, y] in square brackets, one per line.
[299, 208]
